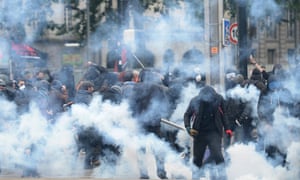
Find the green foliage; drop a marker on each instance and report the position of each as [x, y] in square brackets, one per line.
[231, 6]
[172, 4]
[19, 13]
[293, 5]
[79, 19]
[197, 13]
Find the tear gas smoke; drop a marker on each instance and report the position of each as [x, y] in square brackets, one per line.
[55, 151]
[260, 9]
[56, 148]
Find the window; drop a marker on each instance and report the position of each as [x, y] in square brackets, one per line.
[68, 18]
[271, 56]
[271, 28]
[253, 31]
[252, 28]
[291, 56]
[290, 24]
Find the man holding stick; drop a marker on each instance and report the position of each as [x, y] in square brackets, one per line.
[205, 121]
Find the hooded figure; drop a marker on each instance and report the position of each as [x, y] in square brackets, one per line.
[205, 120]
[149, 103]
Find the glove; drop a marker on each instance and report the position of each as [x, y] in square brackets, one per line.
[229, 132]
[191, 132]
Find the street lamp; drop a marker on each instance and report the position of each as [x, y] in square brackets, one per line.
[88, 30]
[242, 39]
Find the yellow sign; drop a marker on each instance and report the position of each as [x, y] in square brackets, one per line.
[72, 59]
[214, 50]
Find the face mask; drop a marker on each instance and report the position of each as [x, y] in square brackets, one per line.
[22, 87]
[230, 75]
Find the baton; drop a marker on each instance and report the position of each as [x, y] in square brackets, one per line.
[137, 59]
[172, 124]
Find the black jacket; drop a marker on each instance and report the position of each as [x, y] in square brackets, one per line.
[206, 111]
[149, 103]
[83, 97]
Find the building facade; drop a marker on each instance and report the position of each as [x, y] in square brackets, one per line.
[159, 28]
[276, 41]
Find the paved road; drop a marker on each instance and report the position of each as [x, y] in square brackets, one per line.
[17, 175]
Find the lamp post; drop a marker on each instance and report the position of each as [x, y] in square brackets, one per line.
[242, 38]
[87, 30]
[214, 41]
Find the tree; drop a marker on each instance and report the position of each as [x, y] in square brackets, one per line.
[231, 7]
[18, 13]
[293, 5]
[76, 19]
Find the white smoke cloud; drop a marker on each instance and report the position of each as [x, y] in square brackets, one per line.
[57, 155]
[247, 163]
[259, 9]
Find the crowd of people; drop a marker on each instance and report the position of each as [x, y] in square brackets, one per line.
[152, 95]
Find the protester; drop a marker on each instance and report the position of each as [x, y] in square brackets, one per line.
[208, 117]
[58, 97]
[276, 97]
[84, 94]
[31, 162]
[6, 91]
[94, 74]
[44, 74]
[91, 140]
[206, 111]
[149, 103]
[112, 94]
[249, 119]
[23, 97]
[66, 76]
[277, 70]
[235, 108]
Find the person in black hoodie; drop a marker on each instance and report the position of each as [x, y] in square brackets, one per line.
[206, 112]
[149, 103]
[236, 108]
[84, 94]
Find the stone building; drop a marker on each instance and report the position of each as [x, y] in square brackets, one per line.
[179, 31]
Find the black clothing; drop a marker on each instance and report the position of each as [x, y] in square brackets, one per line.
[149, 103]
[41, 97]
[83, 97]
[240, 111]
[213, 141]
[207, 113]
[91, 142]
[112, 95]
[8, 94]
[57, 100]
[66, 77]
[22, 99]
[95, 74]
[96, 147]
[234, 108]
[216, 108]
